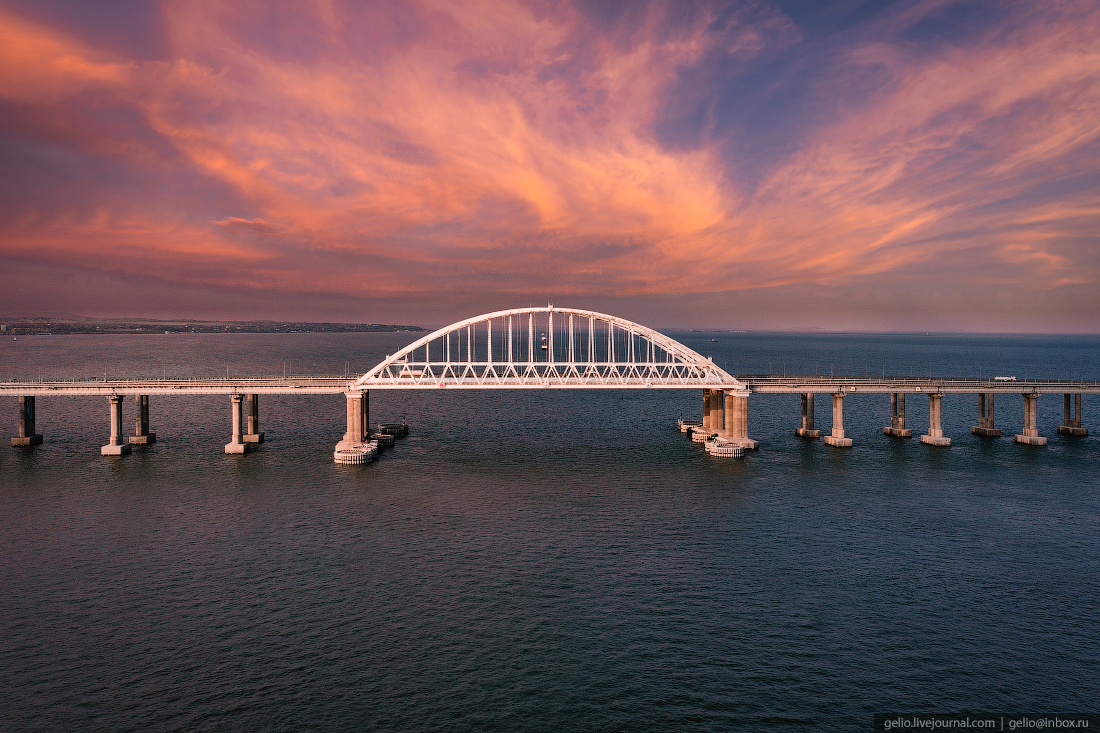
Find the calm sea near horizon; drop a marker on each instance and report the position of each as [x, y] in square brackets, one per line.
[537, 560]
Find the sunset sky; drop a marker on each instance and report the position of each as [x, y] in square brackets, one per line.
[790, 164]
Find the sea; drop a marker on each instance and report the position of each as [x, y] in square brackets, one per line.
[544, 560]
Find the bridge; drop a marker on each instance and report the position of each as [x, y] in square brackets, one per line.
[557, 348]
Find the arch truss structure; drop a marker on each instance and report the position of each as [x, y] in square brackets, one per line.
[528, 348]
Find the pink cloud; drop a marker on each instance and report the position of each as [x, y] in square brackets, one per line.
[508, 145]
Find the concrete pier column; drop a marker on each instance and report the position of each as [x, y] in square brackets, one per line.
[837, 437]
[807, 430]
[118, 445]
[935, 427]
[897, 417]
[985, 425]
[358, 420]
[717, 412]
[27, 436]
[253, 434]
[141, 435]
[1030, 435]
[236, 444]
[706, 411]
[736, 427]
[1071, 420]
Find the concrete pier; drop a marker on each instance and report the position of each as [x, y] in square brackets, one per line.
[837, 438]
[1071, 416]
[27, 436]
[253, 435]
[985, 417]
[236, 444]
[807, 430]
[358, 418]
[706, 411]
[897, 417]
[141, 435]
[1030, 435]
[935, 428]
[118, 445]
[718, 412]
[736, 423]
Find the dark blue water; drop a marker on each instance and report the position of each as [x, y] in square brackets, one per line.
[543, 561]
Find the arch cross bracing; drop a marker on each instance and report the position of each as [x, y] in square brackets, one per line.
[537, 348]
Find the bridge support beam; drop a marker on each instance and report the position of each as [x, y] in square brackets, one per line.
[706, 411]
[1030, 435]
[253, 435]
[1071, 416]
[807, 430]
[27, 436]
[141, 435]
[837, 438]
[358, 415]
[935, 426]
[236, 445]
[897, 417]
[985, 417]
[118, 445]
[736, 426]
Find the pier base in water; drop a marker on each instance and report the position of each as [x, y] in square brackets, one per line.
[118, 445]
[897, 427]
[935, 434]
[236, 446]
[1030, 434]
[837, 439]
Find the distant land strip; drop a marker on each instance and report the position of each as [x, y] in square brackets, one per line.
[41, 326]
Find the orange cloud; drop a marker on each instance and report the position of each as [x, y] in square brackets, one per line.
[511, 146]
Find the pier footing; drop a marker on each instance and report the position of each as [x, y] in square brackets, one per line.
[27, 440]
[1069, 430]
[986, 432]
[807, 433]
[115, 450]
[935, 440]
[898, 432]
[837, 442]
[1031, 439]
[253, 437]
[147, 439]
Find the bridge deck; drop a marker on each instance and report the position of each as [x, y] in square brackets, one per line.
[765, 383]
[180, 386]
[336, 384]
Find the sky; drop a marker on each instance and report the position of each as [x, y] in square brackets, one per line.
[849, 165]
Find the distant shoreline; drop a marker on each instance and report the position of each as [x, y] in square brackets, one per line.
[62, 327]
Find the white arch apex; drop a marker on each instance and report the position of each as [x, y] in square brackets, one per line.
[681, 368]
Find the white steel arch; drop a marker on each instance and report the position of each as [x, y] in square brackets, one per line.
[538, 348]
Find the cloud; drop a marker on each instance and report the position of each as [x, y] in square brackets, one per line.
[510, 147]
